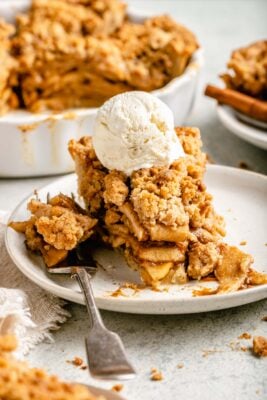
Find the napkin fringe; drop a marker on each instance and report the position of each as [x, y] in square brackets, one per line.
[33, 312]
[42, 332]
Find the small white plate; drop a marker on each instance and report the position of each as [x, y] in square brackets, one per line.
[251, 121]
[251, 134]
[240, 196]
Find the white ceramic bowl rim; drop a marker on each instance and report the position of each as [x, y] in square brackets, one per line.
[23, 117]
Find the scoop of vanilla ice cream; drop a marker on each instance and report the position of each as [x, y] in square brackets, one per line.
[135, 130]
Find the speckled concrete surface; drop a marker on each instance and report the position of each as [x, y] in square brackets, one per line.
[206, 344]
[166, 341]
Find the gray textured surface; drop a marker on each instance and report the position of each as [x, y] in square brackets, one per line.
[165, 341]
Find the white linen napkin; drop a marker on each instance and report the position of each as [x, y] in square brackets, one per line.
[26, 310]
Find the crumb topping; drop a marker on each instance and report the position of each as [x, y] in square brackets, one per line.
[116, 191]
[8, 65]
[247, 70]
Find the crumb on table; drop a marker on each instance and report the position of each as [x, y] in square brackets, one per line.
[208, 352]
[117, 388]
[181, 365]
[264, 318]
[210, 159]
[156, 375]
[260, 346]
[243, 243]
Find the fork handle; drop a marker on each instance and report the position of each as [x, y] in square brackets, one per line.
[83, 278]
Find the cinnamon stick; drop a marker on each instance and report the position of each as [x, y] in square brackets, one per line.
[247, 105]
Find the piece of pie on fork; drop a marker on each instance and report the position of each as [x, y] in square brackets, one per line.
[162, 218]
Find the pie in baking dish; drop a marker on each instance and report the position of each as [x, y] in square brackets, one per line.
[65, 54]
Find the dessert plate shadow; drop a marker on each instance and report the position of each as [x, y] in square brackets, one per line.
[244, 130]
[240, 196]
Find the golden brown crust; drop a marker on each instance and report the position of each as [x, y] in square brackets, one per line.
[248, 70]
[19, 381]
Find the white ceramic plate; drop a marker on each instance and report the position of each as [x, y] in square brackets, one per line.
[251, 134]
[240, 196]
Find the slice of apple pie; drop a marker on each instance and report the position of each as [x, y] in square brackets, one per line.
[55, 228]
[162, 218]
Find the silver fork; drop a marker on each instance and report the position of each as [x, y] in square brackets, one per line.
[106, 355]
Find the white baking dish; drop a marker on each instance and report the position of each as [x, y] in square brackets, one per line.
[36, 144]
